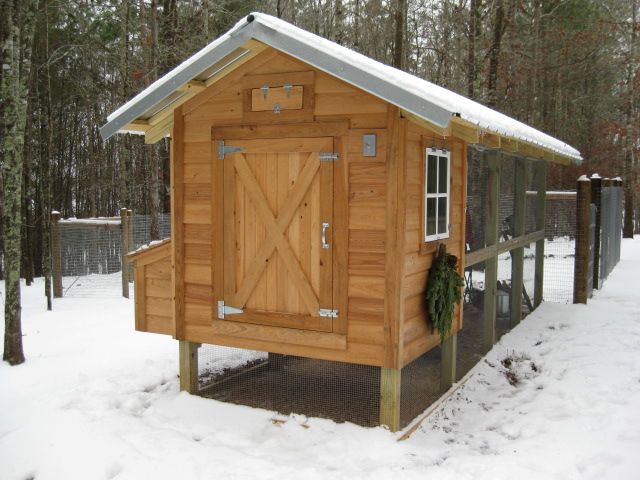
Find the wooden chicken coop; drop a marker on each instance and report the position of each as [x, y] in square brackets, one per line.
[310, 188]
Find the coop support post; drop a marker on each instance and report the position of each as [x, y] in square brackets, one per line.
[124, 249]
[448, 352]
[541, 202]
[581, 265]
[491, 264]
[56, 255]
[130, 240]
[188, 353]
[390, 384]
[596, 199]
[517, 255]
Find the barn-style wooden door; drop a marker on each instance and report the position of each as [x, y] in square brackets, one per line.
[275, 202]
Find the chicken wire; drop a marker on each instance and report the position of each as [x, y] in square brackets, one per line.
[90, 252]
[289, 384]
[477, 201]
[559, 247]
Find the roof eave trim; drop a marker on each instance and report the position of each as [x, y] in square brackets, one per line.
[156, 95]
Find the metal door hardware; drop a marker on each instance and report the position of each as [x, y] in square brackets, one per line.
[328, 156]
[224, 149]
[227, 310]
[325, 244]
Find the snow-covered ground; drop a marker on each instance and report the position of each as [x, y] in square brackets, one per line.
[557, 398]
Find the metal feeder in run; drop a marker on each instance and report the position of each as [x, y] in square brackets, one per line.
[502, 304]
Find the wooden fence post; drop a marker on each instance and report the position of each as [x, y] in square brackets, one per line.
[581, 268]
[188, 353]
[131, 246]
[390, 387]
[124, 249]
[596, 199]
[517, 255]
[541, 207]
[491, 264]
[56, 255]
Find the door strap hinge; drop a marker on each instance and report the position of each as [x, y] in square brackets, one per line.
[227, 310]
[326, 312]
[328, 156]
[224, 149]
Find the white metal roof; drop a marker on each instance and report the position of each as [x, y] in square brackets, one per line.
[419, 97]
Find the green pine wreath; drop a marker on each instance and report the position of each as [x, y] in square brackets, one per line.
[443, 291]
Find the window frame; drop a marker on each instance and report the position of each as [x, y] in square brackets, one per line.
[439, 153]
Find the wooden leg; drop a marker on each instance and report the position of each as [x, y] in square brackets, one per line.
[188, 353]
[390, 398]
[448, 352]
[517, 268]
[490, 293]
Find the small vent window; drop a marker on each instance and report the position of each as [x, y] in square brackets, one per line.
[436, 194]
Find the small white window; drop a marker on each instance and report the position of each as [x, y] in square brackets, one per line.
[437, 173]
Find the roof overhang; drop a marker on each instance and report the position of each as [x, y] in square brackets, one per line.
[150, 112]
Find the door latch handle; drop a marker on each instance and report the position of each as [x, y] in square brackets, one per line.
[325, 226]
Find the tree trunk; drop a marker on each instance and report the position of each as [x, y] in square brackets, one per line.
[474, 33]
[399, 47]
[630, 182]
[16, 63]
[339, 35]
[46, 179]
[494, 54]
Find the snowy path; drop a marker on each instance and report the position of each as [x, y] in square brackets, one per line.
[97, 400]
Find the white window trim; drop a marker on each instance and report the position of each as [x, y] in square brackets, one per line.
[439, 153]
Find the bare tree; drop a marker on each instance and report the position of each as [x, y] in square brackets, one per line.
[18, 18]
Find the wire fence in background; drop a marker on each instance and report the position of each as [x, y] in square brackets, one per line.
[87, 252]
[559, 246]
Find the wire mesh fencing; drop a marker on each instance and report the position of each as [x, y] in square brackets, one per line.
[87, 253]
[612, 200]
[289, 384]
[560, 246]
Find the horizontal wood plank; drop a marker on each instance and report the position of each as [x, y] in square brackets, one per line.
[348, 104]
[366, 264]
[199, 274]
[197, 234]
[198, 152]
[159, 324]
[197, 212]
[366, 217]
[366, 287]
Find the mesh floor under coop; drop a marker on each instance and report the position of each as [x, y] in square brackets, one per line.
[287, 384]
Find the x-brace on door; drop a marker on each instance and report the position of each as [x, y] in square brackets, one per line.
[275, 199]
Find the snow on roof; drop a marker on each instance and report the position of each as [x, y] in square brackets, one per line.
[415, 95]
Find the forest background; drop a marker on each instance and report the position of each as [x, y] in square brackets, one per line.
[566, 67]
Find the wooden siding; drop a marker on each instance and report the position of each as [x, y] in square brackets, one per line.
[362, 340]
[153, 290]
[415, 331]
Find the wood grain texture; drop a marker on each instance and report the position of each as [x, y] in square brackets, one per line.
[361, 203]
[394, 243]
[417, 337]
[340, 243]
[359, 353]
[154, 290]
